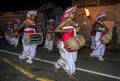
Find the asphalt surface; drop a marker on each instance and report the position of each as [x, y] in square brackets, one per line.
[42, 69]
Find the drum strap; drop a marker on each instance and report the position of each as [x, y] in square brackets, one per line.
[77, 40]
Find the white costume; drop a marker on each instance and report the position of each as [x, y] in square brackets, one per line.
[92, 42]
[99, 49]
[29, 51]
[67, 59]
[49, 43]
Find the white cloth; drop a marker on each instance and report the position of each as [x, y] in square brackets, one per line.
[15, 41]
[92, 42]
[100, 47]
[29, 51]
[49, 44]
[12, 40]
[67, 59]
[8, 38]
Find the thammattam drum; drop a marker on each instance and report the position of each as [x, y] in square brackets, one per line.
[75, 43]
[36, 38]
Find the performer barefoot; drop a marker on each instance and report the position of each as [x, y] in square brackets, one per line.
[50, 35]
[29, 26]
[99, 30]
[67, 28]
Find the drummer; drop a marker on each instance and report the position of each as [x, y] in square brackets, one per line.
[67, 28]
[29, 26]
[99, 29]
[8, 28]
[50, 35]
[15, 39]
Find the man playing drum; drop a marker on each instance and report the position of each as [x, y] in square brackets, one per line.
[50, 35]
[15, 39]
[29, 51]
[67, 28]
[8, 29]
[99, 29]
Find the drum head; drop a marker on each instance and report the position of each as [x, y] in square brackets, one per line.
[80, 39]
[72, 44]
[106, 37]
[75, 43]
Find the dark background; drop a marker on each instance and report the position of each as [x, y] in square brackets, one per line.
[18, 5]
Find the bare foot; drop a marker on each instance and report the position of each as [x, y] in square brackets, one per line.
[73, 77]
[56, 70]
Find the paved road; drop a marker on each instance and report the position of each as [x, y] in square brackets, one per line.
[87, 68]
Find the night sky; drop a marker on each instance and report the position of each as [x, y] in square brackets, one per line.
[19, 5]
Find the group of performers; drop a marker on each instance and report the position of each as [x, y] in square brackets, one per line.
[10, 30]
[68, 29]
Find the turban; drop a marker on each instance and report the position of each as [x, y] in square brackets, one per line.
[67, 11]
[101, 15]
[31, 12]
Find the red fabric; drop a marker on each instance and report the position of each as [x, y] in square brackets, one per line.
[93, 34]
[30, 21]
[14, 30]
[66, 36]
[29, 31]
[63, 18]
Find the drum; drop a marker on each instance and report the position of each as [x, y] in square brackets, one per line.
[106, 37]
[36, 38]
[75, 43]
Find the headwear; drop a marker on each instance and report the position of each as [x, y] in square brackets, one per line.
[31, 12]
[67, 11]
[101, 15]
[51, 20]
[18, 21]
[28, 20]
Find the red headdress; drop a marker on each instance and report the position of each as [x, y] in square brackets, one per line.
[67, 11]
[31, 12]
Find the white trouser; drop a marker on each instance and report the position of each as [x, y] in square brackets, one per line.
[8, 38]
[92, 46]
[66, 60]
[29, 51]
[100, 47]
[49, 44]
